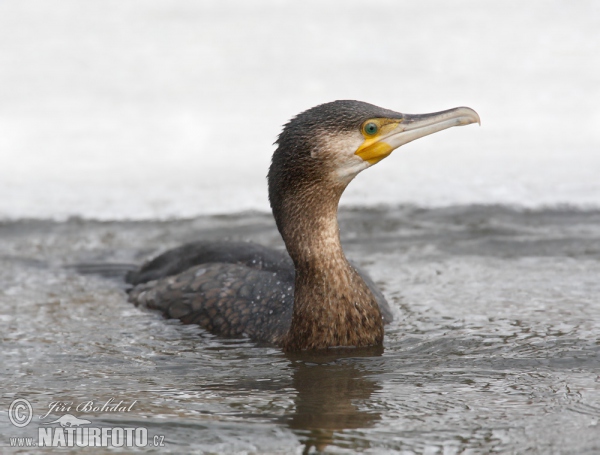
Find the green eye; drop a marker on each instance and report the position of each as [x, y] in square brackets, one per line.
[371, 128]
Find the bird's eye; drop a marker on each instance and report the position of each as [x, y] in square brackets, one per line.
[371, 128]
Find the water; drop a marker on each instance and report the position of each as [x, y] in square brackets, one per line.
[494, 348]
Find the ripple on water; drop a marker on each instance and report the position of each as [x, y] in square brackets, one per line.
[494, 347]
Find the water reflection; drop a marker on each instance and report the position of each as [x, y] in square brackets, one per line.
[333, 388]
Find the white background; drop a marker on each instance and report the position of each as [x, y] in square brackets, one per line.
[145, 109]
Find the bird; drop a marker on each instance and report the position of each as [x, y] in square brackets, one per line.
[310, 296]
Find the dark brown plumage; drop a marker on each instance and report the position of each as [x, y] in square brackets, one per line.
[314, 298]
[235, 279]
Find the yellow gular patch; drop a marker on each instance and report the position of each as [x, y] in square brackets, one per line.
[374, 149]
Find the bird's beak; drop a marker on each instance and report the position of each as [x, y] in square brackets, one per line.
[411, 127]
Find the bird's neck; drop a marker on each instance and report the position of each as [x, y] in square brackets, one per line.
[333, 306]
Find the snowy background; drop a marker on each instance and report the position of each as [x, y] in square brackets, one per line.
[160, 108]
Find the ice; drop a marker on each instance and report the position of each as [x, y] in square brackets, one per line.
[160, 109]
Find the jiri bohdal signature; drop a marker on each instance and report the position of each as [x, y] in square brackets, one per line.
[110, 405]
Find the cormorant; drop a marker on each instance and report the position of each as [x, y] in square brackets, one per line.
[314, 297]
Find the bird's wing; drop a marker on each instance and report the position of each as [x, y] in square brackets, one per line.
[226, 299]
[182, 258]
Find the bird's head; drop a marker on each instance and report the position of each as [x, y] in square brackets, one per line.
[326, 146]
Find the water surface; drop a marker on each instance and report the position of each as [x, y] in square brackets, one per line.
[494, 348]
